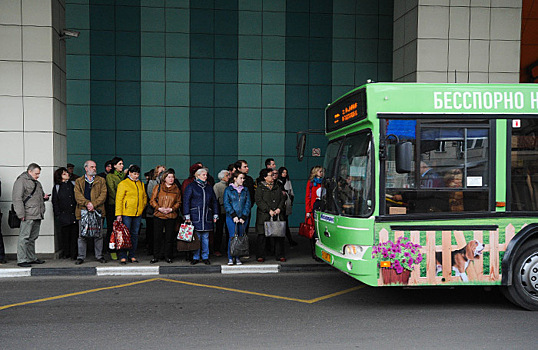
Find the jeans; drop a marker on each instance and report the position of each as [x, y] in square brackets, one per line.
[133, 224]
[231, 228]
[204, 242]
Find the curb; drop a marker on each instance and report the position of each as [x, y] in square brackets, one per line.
[160, 270]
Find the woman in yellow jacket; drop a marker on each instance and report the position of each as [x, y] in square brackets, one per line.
[130, 202]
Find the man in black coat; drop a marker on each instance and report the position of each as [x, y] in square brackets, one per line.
[2, 248]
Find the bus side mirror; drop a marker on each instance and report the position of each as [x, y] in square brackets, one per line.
[301, 144]
[404, 157]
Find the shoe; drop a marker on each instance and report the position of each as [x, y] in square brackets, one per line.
[134, 260]
[37, 261]
[207, 262]
[101, 260]
[194, 262]
[153, 261]
[293, 244]
[230, 262]
[261, 259]
[113, 256]
[218, 254]
[24, 264]
[238, 261]
[123, 261]
[169, 261]
[79, 261]
[282, 259]
[3, 261]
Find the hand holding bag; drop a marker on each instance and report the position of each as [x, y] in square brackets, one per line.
[90, 224]
[239, 244]
[306, 229]
[185, 233]
[275, 228]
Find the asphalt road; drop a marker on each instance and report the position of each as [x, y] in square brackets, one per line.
[326, 310]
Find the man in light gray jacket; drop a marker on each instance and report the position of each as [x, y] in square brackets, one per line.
[29, 204]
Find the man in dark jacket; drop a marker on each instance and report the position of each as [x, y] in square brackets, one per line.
[2, 249]
[242, 166]
[29, 204]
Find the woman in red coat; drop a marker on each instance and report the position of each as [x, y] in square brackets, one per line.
[313, 193]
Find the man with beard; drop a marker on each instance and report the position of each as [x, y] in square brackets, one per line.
[90, 194]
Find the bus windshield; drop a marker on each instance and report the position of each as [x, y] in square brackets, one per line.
[349, 181]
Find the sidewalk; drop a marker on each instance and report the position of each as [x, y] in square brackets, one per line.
[298, 259]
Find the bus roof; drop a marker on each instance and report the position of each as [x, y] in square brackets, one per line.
[424, 98]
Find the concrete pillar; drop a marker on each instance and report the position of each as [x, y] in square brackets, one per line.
[32, 102]
[463, 41]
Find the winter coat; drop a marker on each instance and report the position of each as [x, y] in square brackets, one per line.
[112, 181]
[219, 193]
[237, 204]
[131, 198]
[166, 197]
[34, 209]
[267, 200]
[310, 196]
[200, 205]
[64, 203]
[288, 188]
[249, 184]
[98, 195]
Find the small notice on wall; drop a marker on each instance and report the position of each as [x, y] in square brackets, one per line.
[316, 152]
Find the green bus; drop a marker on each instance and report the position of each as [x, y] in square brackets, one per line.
[433, 185]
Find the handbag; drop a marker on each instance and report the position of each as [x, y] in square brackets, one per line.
[90, 224]
[239, 244]
[275, 228]
[120, 237]
[185, 233]
[13, 220]
[306, 229]
[183, 246]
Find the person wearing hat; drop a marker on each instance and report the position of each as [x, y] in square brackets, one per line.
[70, 168]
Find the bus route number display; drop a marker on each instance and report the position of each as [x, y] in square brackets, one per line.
[346, 111]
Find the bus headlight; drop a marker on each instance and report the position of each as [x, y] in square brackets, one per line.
[356, 252]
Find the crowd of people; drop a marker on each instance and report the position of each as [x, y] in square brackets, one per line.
[219, 211]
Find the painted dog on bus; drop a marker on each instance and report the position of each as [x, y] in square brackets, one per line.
[461, 258]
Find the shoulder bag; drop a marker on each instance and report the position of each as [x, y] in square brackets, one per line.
[306, 229]
[13, 220]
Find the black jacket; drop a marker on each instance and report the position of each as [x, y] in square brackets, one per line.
[64, 203]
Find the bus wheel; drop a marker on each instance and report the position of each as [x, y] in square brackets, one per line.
[524, 288]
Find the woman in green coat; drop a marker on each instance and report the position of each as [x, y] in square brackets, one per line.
[270, 201]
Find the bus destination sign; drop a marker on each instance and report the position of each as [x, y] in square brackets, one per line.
[346, 111]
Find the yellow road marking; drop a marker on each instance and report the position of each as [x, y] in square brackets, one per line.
[306, 301]
[77, 293]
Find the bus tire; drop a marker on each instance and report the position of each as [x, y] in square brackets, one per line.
[524, 288]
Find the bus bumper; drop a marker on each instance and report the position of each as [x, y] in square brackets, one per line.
[364, 270]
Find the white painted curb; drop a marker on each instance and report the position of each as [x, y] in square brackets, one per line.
[24, 272]
[127, 271]
[235, 269]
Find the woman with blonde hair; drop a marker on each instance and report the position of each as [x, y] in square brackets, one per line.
[312, 199]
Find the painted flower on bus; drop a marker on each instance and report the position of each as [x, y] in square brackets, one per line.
[399, 255]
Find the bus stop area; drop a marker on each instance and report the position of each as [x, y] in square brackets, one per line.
[299, 259]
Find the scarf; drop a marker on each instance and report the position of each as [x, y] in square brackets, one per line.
[268, 185]
[317, 181]
[203, 183]
[88, 179]
[237, 188]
